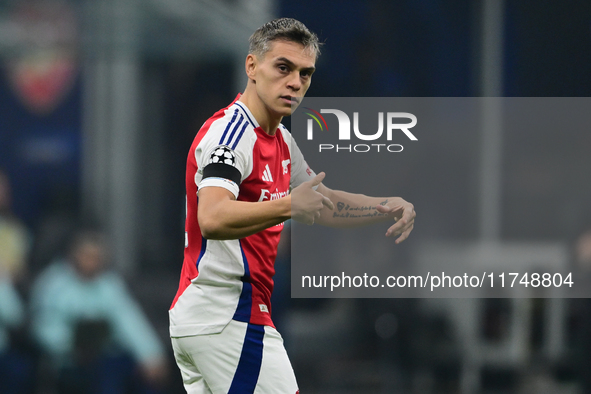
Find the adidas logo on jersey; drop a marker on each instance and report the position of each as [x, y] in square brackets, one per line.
[267, 177]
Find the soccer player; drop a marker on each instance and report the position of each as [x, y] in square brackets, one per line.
[245, 177]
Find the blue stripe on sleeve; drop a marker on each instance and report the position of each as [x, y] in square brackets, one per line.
[245, 112]
[234, 130]
[240, 135]
[229, 125]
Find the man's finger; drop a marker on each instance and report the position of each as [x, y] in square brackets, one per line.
[398, 228]
[409, 214]
[404, 235]
[318, 179]
[387, 209]
[327, 203]
[393, 230]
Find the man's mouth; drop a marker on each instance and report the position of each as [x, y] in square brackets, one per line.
[293, 100]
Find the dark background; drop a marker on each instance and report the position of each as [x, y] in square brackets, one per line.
[377, 48]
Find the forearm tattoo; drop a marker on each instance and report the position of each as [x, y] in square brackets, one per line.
[346, 211]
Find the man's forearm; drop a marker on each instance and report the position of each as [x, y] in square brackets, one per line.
[230, 219]
[353, 210]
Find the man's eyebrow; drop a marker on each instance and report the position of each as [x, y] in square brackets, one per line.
[292, 64]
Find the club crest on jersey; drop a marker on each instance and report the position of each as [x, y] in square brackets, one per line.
[284, 163]
[223, 154]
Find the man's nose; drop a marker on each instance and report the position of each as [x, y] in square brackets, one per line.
[295, 83]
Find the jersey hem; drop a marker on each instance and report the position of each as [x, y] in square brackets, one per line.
[190, 330]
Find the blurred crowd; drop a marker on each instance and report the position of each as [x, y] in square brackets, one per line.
[72, 327]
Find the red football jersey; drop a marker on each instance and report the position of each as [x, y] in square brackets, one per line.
[233, 279]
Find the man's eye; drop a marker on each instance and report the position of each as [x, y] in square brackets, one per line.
[283, 68]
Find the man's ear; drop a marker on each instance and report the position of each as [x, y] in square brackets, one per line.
[250, 66]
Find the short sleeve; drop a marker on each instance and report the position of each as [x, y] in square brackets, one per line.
[224, 155]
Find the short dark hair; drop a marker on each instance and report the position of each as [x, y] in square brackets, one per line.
[287, 29]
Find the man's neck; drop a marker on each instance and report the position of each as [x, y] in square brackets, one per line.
[257, 108]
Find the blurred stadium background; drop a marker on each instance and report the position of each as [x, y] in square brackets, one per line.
[100, 101]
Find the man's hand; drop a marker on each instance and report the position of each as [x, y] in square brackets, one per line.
[403, 213]
[306, 203]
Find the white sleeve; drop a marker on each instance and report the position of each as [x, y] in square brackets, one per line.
[220, 164]
[300, 171]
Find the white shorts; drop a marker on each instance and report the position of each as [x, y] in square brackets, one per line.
[243, 359]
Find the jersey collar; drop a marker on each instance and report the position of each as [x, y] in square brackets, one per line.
[246, 112]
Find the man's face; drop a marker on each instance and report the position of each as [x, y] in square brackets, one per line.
[283, 75]
[89, 259]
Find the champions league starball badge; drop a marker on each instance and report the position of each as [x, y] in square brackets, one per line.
[223, 154]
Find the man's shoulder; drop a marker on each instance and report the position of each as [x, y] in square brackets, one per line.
[53, 280]
[218, 120]
[228, 127]
[284, 132]
[57, 268]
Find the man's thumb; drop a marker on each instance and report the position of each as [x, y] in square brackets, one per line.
[318, 179]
